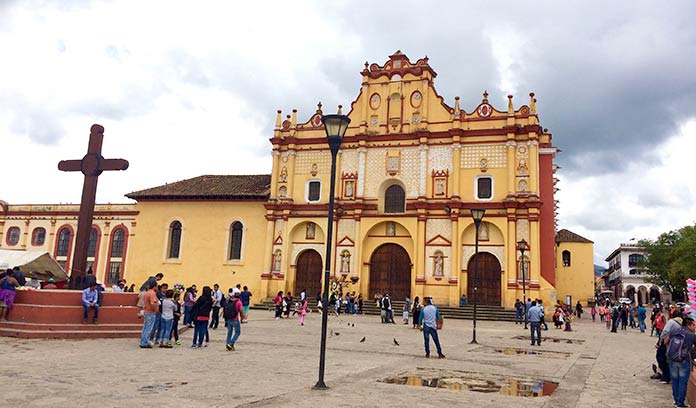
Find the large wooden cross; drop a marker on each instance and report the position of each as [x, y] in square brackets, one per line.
[92, 165]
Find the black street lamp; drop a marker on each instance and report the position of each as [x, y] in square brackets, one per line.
[522, 246]
[477, 215]
[335, 127]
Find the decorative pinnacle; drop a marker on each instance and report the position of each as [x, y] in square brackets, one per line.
[319, 108]
[278, 118]
[485, 96]
[511, 108]
[340, 110]
[532, 103]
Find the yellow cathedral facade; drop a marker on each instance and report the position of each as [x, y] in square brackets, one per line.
[410, 169]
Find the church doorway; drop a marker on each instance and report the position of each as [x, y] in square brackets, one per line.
[390, 271]
[308, 273]
[488, 279]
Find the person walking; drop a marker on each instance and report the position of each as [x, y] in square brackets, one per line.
[679, 342]
[429, 319]
[217, 303]
[406, 309]
[303, 311]
[200, 315]
[233, 314]
[177, 316]
[641, 313]
[518, 311]
[593, 313]
[578, 310]
[534, 315]
[149, 311]
[360, 303]
[416, 311]
[245, 298]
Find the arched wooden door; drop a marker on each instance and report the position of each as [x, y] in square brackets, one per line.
[308, 273]
[390, 271]
[488, 279]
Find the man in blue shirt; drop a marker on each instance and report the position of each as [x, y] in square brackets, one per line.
[90, 300]
[680, 365]
[534, 314]
[245, 297]
[428, 320]
[519, 306]
[641, 317]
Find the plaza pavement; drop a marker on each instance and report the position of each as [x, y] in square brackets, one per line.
[276, 364]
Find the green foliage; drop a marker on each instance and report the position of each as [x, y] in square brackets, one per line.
[671, 259]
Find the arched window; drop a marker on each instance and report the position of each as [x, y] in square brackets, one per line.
[92, 248]
[13, 236]
[236, 233]
[174, 239]
[566, 258]
[394, 199]
[38, 236]
[64, 238]
[118, 245]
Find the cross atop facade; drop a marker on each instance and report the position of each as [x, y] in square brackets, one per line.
[92, 165]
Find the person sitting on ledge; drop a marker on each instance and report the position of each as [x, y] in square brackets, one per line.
[51, 284]
[90, 300]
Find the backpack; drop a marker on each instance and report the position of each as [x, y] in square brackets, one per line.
[230, 311]
[676, 351]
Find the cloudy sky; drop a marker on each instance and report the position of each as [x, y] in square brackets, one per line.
[189, 88]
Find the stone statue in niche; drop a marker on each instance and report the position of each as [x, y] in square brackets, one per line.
[522, 168]
[391, 229]
[277, 257]
[439, 186]
[311, 228]
[282, 192]
[438, 264]
[345, 262]
[284, 175]
[483, 232]
[315, 169]
[522, 186]
[349, 188]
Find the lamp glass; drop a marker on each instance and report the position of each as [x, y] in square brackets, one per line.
[335, 125]
[522, 245]
[477, 213]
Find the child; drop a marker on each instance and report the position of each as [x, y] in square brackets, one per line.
[177, 316]
[303, 311]
[407, 306]
[593, 312]
[167, 319]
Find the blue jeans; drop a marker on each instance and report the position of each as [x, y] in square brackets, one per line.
[641, 325]
[679, 371]
[87, 307]
[518, 316]
[165, 329]
[187, 315]
[156, 328]
[535, 327]
[148, 325]
[233, 325]
[427, 332]
[200, 330]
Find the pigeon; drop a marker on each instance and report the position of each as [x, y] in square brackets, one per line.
[348, 324]
[362, 340]
[352, 325]
[396, 343]
[337, 334]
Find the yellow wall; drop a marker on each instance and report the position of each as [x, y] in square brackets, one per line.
[204, 243]
[576, 280]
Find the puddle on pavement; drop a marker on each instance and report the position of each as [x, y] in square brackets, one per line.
[477, 382]
[552, 340]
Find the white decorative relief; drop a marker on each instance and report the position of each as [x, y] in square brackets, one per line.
[349, 161]
[376, 170]
[423, 169]
[522, 230]
[439, 158]
[494, 154]
[435, 227]
[469, 250]
[305, 160]
[346, 228]
[362, 153]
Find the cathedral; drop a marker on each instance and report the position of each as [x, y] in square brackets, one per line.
[410, 169]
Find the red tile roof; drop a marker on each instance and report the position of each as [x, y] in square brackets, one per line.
[568, 236]
[236, 187]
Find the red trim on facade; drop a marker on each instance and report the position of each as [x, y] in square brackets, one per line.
[33, 236]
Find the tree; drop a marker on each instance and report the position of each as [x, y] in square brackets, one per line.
[671, 259]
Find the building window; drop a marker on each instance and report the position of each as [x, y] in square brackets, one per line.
[174, 239]
[236, 234]
[634, 260]
[484, 188]
[566, 258]
[114, 273]
[13, 236]
[313, 190]
[38, 236]
[92, 247]
[64, 238]
[118, 243]
[394, 199]
[633, 272]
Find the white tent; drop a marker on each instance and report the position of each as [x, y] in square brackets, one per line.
[33, 262]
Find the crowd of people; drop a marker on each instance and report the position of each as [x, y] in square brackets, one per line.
[163, 308]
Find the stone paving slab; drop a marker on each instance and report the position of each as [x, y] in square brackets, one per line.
[276, 364]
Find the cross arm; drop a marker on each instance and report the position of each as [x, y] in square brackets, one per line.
[70, 165]
[113, 164]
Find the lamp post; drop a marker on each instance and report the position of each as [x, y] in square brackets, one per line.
[477, 215]
[522, 246]
[335, 127]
